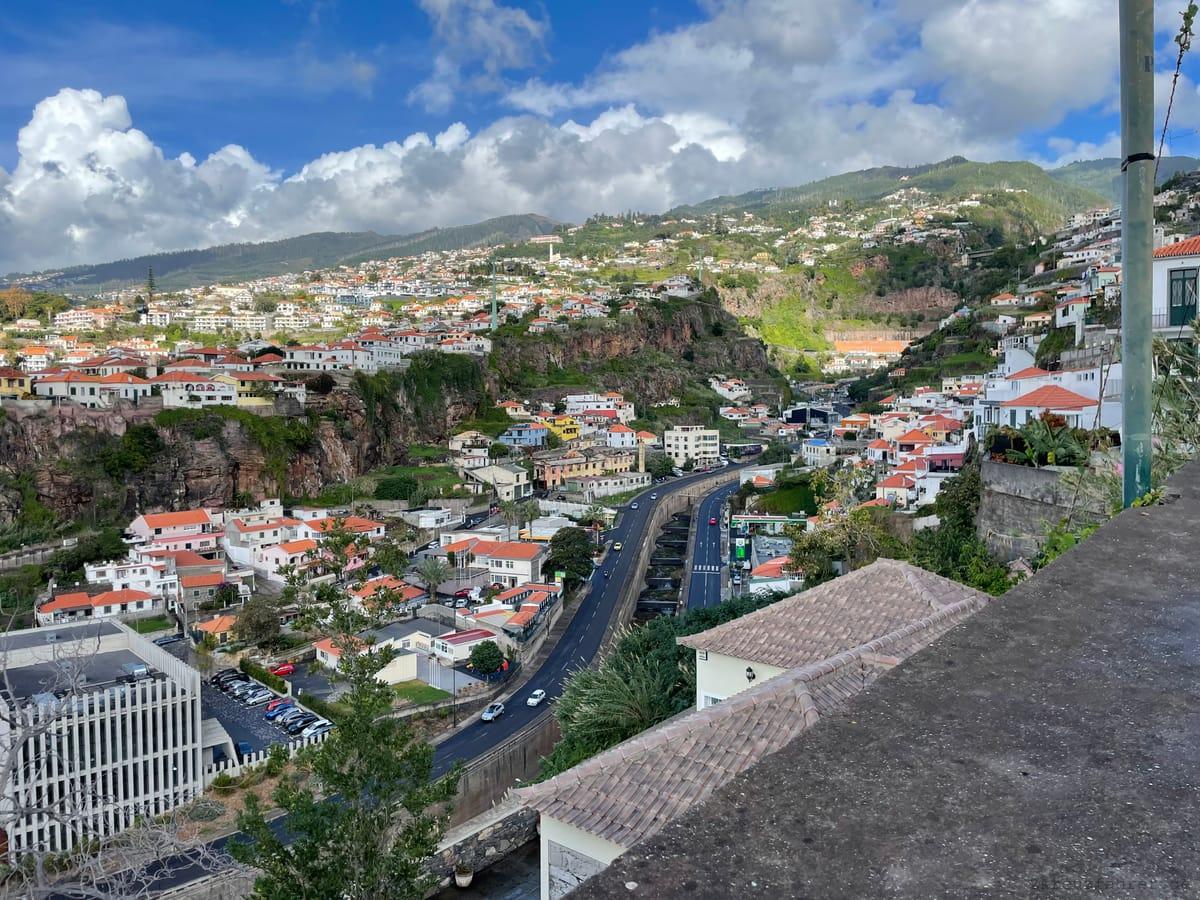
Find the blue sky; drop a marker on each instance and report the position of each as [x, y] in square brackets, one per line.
[281, 77]
[127, 128]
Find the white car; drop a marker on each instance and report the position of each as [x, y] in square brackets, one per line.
[312, 729]
[493, 711]
[536, 697]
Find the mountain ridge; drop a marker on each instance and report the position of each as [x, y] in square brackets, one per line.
[245, 260]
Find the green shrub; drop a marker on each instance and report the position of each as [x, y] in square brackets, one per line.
[395, 487]
[274, 682]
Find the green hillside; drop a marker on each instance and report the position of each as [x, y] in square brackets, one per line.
[1103, 176]
[1033, 200]
[236, 262]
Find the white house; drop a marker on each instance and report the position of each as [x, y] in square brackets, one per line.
[1176, 269]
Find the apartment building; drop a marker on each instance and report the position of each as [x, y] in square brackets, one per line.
[90, 691]
[692, 443]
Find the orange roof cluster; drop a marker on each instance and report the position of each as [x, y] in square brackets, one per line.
[1052, 396]
[82, 600]
[1189, 247]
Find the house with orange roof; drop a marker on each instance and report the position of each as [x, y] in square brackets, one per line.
[898, 490]
[14, 384]
[76, 605]
[621, 437]
[879, 451]
[1175, 287]
[220, 628]
[507, 563]
[1078, 410]
[275, 560]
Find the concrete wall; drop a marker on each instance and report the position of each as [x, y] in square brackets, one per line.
[720, 677]
[1019, 504]
[487, 778]
[570, 856]
[486, 840]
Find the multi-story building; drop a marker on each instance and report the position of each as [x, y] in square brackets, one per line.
[692, 443]
[101, 728]
[554, 467]
[191, 529]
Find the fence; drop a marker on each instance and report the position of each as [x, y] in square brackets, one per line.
[235, 767]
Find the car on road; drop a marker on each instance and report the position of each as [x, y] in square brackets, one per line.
[712, 520]
[536, 697]
[654, 496]
[493, 712]
[617, 546]
[633, 506]
[284, 669]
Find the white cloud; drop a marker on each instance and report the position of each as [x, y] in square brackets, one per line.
[760, 93]
[479, 40]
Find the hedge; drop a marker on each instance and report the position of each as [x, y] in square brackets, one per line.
[274, 682]
[331, 711]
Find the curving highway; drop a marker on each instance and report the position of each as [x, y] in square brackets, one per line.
[576, 648]
[708, 558]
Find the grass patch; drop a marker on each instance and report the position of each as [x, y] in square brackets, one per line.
[153, 623]
[419, 693]
[790, 497]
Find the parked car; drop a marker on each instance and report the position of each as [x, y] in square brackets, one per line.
[313, 727]
[320, 729]
[463, 592]
[244, 748]
[493, 712]
[280, 701]
[168, 639]
[273, 714]
[257, 698]
[289, 714]
[298, 724]
[536, 697]
[244, 689]
[233, 681]
[736, 579]
[285, 669]
[617, 546]
[225, 675]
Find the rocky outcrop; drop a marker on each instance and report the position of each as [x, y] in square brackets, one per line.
[652, 356]
[58, 453]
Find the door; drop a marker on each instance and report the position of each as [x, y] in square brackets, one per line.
[1182, 296]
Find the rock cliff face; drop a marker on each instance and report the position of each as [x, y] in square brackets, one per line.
[651, 356]
[56, 451]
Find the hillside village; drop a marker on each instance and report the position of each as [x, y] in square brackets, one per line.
[466, 548]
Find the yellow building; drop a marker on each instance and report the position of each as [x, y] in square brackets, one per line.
[255, 388]
[565, 427]
[14, 384]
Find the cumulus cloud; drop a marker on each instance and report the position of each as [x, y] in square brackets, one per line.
[759, 93]
[479, 40]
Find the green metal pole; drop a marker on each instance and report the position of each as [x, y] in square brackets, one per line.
[1137, 239]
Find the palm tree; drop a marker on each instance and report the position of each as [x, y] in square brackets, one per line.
[432, 572]
[529, 510]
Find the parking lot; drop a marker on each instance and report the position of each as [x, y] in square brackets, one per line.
[243, 723]
[318, 685]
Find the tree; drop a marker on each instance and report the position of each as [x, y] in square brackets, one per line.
[150, 285]
[396, 487]
[320, 384]
[365, 823]
[486, 657]
[775, 453]
[432, 572]
[390, 558]
[855, 539]
[203, 656]
[258, 622]
[225, 595]
[498, 450]
[659, 465]
[570, 552]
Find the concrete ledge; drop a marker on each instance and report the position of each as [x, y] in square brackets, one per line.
[1050, 746]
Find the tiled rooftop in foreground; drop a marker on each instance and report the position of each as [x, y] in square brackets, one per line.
[1050, 745]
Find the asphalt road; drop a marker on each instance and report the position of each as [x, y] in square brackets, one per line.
[707, 560]
[574, 650]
